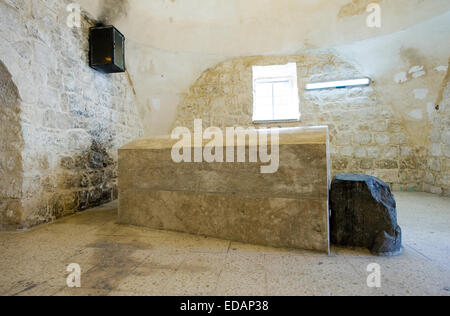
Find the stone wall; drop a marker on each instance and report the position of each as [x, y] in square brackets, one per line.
[437, 176]
[365, 135]
[73, 119]
[11, 144]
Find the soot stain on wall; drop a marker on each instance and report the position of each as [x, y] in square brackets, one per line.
[412, 56]
[113, 9]
[89, 180]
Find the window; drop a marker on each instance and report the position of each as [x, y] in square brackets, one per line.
[275, 93]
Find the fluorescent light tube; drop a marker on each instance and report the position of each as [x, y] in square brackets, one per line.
[338, 84]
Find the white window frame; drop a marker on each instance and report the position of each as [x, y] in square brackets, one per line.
[277, 74]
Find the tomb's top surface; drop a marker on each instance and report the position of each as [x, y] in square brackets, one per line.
[287, 136]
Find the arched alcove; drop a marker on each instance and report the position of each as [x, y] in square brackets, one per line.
[11, 144]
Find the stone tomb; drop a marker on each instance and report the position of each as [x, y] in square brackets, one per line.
[232, 201]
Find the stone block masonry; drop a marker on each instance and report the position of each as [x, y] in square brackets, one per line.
[11, 144]
[69, 120]
[437, 168]
[365, 135]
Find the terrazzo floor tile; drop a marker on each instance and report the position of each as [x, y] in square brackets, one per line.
[129, 261]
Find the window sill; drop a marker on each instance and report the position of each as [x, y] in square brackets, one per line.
[277, 121]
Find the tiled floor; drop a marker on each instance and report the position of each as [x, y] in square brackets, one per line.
[121, 260]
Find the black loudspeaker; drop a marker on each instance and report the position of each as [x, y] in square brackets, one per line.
[107, 49]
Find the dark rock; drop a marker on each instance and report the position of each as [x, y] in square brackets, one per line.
[364, 214]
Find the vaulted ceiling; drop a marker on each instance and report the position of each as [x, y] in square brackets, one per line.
[248, 27]
[170, 43]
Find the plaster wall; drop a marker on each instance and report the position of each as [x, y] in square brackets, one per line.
[171, 43]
